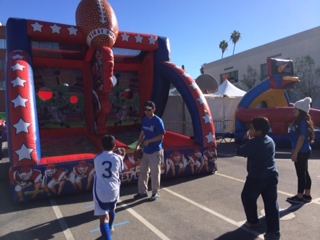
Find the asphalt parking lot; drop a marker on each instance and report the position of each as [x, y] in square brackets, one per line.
[202, 207]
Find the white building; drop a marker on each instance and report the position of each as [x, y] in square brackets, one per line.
[292, 47]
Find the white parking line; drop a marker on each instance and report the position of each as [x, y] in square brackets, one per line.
[237, 224]
[316, 201]
[66, 231]
[145, 222]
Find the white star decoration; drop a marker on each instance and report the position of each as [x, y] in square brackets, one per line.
[186, 75]
[138, 39]
[72, 31]
[201, 100]
[37, 27]
[17, 56]
[207, 118]
[125, 37]
[19, 101]
[210, 137]
[24, 152]
[55, 28]
[193, 85]
[21, 126]
[18, 82]
[152, 41]
[18, 66]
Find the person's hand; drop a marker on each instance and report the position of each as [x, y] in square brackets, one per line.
[120, 151]
[294, 157]
[137, 148]
[138, 154]
[249, 134]
[146, 143]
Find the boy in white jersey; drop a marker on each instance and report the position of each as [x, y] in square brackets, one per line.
[106, 189]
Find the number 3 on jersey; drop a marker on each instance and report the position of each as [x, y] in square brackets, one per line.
[108, 166]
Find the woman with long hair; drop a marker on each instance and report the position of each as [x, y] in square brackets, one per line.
[302, 136]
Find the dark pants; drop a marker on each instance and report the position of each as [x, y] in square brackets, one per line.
[301, 165]
[267, 188]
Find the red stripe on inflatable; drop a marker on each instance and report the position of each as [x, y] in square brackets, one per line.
[54, 32]
[21, 108]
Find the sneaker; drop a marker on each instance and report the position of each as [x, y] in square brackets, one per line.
[295, 199]
[154, 196]
[272, 236]
[140, 195]
[252, 225]
[215, 169]
[307, 198]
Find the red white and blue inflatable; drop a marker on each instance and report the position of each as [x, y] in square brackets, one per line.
[270, 99]
[67, 86]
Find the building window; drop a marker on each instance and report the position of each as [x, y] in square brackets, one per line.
[231, 76]
[263, 71]
[3, 44]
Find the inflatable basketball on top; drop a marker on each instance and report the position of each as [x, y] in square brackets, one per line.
[97, 22]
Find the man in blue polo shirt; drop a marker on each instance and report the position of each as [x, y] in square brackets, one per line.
[151, 135]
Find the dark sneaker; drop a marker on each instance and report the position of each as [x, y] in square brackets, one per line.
[272, 236]
[252, 225]
[307, 198]
[154, 196]
[295, 200]
[140, 195]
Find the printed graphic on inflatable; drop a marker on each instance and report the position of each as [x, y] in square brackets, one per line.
[70, 85]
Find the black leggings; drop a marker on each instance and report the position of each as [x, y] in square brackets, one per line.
[301, 165]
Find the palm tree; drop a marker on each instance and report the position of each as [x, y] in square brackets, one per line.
[235, 36]
[223, 46]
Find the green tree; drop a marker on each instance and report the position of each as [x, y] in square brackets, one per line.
[250, 79]
[309, 76]
[223, 46]
[235, 37]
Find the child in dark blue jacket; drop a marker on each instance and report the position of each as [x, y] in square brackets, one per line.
[262, 178]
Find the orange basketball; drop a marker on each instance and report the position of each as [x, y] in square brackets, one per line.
[97, 22]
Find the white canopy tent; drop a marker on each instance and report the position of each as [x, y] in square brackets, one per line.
[229, 90]
[223, 105]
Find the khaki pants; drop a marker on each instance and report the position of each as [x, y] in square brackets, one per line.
[150, 163]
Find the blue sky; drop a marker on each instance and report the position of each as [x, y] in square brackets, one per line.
[194, 28]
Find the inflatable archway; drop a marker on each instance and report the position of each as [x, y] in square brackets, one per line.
[63, 96]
